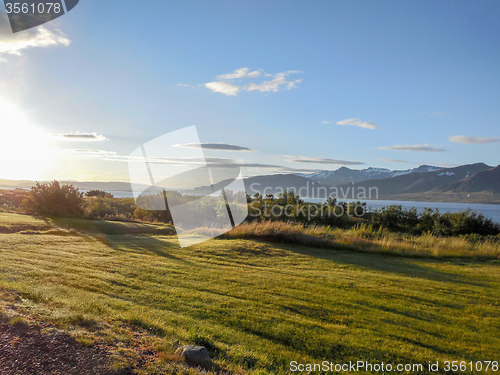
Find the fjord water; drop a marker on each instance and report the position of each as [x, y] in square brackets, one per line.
[491, 211]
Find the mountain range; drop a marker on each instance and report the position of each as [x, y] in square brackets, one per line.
[471, 183]
[478, 183]
[473, 180]
[344, 175]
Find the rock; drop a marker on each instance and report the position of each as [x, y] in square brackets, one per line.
[196, 355]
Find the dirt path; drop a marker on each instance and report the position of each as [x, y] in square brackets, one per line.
[26, 350]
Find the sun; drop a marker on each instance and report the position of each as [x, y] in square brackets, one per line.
[24, 147]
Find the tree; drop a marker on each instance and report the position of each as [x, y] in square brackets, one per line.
[331, 201]
[54, 200]
[97, 207]
[98, 193]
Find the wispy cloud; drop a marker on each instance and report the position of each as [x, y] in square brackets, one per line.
[437, 114]
[396, 161]
[94, 137]
[216, 147]
[424, 148]
[326, 122]
[358, 122]
[221, 163]
[472, 140]
[184, 85]
[14, 44]
[94, 152]
[225, 82]
[314, 160]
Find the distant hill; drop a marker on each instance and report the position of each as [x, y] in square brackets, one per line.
[486, 181]
[345, 175]
[268, 184]
[84, 185]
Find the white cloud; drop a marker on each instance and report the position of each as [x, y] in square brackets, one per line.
[240, 73]
[472, 140]
[93, 137]
[226, 86]
[14, 44]
[358, 122]
[273, 85]
[326, 122]
[424, 148]
[223, 87]
[184, 85]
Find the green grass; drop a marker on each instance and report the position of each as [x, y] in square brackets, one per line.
[257, 305]
[9, 218]
[15, 223]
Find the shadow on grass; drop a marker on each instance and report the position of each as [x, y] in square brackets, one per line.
[124, 236]
[447, 351]
[139, 244]
[332, 352]
[377, 258]
[391, 263]
[112, 227]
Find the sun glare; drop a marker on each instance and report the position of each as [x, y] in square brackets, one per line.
[24, 148]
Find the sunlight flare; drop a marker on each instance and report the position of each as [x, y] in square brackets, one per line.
[24, 147]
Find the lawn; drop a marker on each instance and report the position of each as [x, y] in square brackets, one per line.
[256, 305]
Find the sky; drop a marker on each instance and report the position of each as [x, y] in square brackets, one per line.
[271, 86]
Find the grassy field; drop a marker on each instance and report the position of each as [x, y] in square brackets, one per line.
[255, 305]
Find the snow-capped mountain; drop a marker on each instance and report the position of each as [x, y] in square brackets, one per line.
[463, 178]
[344, 174]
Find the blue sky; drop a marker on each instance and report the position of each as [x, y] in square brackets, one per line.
[410, 82]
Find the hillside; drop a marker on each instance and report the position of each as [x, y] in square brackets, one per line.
[413, 184]
[486, 181]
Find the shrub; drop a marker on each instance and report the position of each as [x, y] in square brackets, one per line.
[447, 224]
[54, 200]
[467, 222]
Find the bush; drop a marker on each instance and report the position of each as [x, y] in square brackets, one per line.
[447, 224]
[466, 222]
[54, 200]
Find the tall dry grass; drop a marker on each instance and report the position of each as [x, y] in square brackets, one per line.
[366, 238]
